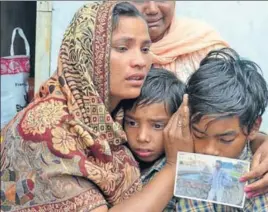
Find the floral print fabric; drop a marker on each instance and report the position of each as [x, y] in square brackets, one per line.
[65, 152]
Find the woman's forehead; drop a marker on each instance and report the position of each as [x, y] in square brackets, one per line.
[131, 29]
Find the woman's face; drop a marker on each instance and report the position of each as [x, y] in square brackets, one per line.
[158, 15]
[130, 60]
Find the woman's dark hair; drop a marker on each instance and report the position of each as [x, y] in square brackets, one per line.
[124, 9]
[226, 85]
[160, 86]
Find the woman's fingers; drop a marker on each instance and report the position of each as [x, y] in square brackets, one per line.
[258, 187]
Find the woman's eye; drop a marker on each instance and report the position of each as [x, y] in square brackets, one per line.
[145, 49]
[121, 48]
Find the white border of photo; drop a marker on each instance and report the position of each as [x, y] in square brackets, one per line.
[195, 168]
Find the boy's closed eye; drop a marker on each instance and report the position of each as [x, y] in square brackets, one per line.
[226, 139]
[222, 139]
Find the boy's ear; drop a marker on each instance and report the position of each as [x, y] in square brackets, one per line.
[255, 129]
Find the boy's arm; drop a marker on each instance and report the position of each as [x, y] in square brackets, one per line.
[154, 196]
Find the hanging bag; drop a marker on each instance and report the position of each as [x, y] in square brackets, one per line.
[15, 71]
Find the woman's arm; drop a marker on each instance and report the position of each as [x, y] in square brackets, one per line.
[259, 167]
[258, 141]
[153, 197]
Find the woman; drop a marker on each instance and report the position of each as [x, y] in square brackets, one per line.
[179, 45]
[65, 151]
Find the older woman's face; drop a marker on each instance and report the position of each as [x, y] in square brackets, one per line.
[158, 15]
[130, 60]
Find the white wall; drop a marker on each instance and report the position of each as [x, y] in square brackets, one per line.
[62, 14]
[244, 24]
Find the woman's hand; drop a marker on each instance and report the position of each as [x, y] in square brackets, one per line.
[259, 170]
[177, 133]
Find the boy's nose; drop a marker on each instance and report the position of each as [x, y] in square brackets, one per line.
[211, 149]
[143, 136]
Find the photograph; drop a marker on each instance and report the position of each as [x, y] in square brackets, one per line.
[210, 178]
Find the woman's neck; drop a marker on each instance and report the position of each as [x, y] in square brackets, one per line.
[158, 38]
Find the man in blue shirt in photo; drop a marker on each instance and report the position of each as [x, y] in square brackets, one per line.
[218, 181]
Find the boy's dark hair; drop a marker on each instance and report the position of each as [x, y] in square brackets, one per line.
[124, 9]
[160, 86]
[226, 86]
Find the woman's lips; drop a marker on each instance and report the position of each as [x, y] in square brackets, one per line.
[153, 23]
[136, 80]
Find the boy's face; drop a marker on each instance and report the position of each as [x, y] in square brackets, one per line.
[144, 127]
[223, 137]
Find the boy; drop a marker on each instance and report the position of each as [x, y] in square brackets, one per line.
[141, 130]
[227, 97]
[146, 117]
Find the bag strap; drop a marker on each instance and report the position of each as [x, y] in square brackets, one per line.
[22, 35]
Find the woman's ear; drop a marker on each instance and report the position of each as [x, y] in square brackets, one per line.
[255, 129]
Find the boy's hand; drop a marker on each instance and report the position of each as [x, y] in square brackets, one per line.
[259, 169]
[177, 133]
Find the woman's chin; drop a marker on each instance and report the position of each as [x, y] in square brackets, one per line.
[132, 94]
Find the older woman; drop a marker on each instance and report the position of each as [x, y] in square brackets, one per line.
[65, 151]
[179, 45]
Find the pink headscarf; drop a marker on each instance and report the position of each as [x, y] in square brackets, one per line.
[184, 36]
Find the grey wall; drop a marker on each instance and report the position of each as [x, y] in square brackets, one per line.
[244, 24]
